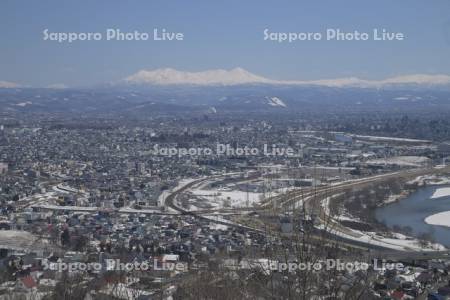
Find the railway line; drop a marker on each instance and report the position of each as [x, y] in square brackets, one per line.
[310, 199]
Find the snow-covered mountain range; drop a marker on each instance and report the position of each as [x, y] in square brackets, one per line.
[239, 76]
[210, 77]
[7, 84]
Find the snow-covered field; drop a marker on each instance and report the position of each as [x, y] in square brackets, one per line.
[441, 192]
[220, 199]
[441, 219]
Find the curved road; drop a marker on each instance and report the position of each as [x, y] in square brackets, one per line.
[317, 195]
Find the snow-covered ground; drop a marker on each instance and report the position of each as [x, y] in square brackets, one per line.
[214, 226]
[394, 198]
[23, 104]
[396, 242]
[347, 217]
[401, 243]
[326, 203]
[123, 291]
[216, 217]
[406, 161]
[36, 199]
[162, 197]
[19, 240]
[275, 101]
[388, 139]
[67, 207]
[138, 211]
[223, 198]
[441, 192]
[430, 180]
[441, 219]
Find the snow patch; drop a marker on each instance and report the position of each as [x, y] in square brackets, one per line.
[275, 101]
[441, 192]
[222, 198]
[23, 104]
[440, 219]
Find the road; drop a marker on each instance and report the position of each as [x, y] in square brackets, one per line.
[311, 198]
[171, 199]
[312, 201]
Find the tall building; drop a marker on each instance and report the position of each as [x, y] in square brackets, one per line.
[3, 168]
[141, 168]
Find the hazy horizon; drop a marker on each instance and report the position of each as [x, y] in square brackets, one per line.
[221, 36]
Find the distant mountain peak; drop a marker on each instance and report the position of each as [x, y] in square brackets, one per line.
[211, 77]
[7, 84]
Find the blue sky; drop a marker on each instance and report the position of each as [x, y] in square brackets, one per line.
[221, 34]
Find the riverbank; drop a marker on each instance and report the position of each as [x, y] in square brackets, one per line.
[387, 229]
[421, 214]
